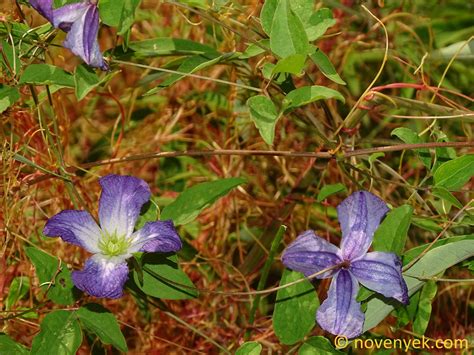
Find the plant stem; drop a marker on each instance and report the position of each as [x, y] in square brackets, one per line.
[250, 152]
[263, 279]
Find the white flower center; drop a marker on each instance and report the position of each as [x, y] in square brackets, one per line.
[113, 244]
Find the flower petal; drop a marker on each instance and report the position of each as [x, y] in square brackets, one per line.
[102, 277]
[360, 215]
[309, 254]
[82, 36]
[120, 203]
[381, 272]
[340, 313]
[75, 227]
[159, 236]
[67, 14]
[44, 7]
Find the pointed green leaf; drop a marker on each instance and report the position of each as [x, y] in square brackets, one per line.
[162, 278]
[295, 308]
[118, 13]
[164, 46]
[392, 233]
[10, 347]
[325, 66]
[307, 94]
[444, 194]
[328, 190]
[319, 23]
[266, 15]
[19, 287]
[265, 116]
[189, 204]
[455, 173]
[406, 314]
[8, 96]
[189, 66]
[58, 284]
[423, 313]
[287, 35]
[60, 334]
[85, 80]
[249, 348]
[45, 74]
[432, 263]
[9, 59]
[149, 213]
[292, 64]
[101, 322]
[409, 136]
[253, 50]
[26, 161]
[411, 254]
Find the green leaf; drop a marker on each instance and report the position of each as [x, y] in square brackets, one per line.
[292, 64]
[45, 74]
[443, 154]
[10, 347]
[318, 346]
[149, 213]
[253, 50]
[426, 224]
[411, 254]
[423, 313]
[99, 321]
[19, 287]
[249, 348]
[328, 190]
[11, 63]
[190, 65]
[392, 233]
[410, 137]
[287, 35]
[406, 314]
[314, 24]
[307, 94]
[189, 204]
[318, 23]
[8, 96]
[266, 15]
[295, 308]
[455, 173]
[85, 80]
[325, 66]
[444, 194]
[118, 13]
[60, 333]
[432, 263]
[162, 278]
[26, 161]
[58, 284]
[265, 116]
[165, 46]
[303, 9]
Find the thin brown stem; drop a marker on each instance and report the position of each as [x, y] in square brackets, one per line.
[249, 152]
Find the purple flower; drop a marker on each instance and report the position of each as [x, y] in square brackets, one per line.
[81, 22]
[114, 241]
[360, 215]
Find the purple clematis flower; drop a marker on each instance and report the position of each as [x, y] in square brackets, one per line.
[81, 22]
[360, 215]
[114, 241]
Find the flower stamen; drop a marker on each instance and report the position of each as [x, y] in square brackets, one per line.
[113, 244]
